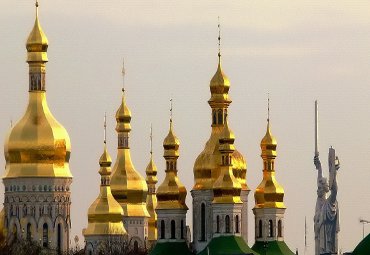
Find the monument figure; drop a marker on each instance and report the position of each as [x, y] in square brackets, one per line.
[326, 219]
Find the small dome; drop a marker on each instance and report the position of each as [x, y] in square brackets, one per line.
[37, 40]
[219, 84]
[171, 140]
[151, 172]
[105, 162]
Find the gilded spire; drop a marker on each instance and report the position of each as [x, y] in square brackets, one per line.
[226, 188]
[129, 188]
[37, 145]
[105, 213]
[171, 194]
[151, 200]
[269, 194]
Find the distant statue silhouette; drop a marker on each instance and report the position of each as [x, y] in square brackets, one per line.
[326, 219]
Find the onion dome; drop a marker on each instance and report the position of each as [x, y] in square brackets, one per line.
[128, 186]
[105, 214]
[38, 145]
[269, 194]
[226, 188]
[206, 166]
[171, 194]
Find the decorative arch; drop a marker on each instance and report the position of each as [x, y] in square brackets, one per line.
[15, 228]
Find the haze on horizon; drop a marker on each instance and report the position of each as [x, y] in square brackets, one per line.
[297, 51]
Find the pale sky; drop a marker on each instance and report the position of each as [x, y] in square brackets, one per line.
[297, 51]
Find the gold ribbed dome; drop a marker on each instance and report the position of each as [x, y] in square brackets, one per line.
[206, 166]
[38, 145]
[171, 194]
[128, 186]
[226, 188]
[269, 194]
[105, 214]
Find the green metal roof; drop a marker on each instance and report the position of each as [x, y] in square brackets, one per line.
[227, 245]
[169, 248]
[363, 248]
[273, 248]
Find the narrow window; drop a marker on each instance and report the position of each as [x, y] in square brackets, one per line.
[227, 224]
[162, 229]
[29, 232]
[280, 230]
[203, 222]
[182, 229]
[173, 229]
[260, 228]
[220, 118]
[45, 237]
[214, 118]
[237, 223]
[218, 224]
[136, 247]
[270, 228]
[59, 239]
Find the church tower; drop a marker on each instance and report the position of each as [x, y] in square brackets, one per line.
[105, 229]
[207, 166]
[37, 150]
[151, 199]
[171, 208]
[269, 208]
[128, 186]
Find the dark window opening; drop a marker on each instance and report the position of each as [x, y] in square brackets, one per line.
[59, 239]
[162, 229]
[182, 229]
[260, 228]
[237, 223]
[45, 237]
[280, 230]
[173, 229]
[218, 224]
[203, 222]
[271, 228]
[28, 232]
[227, 224]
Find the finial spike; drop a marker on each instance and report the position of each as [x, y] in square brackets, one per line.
[37, 8]
[219, 39]
[105, 128]
[268, 107]
[171, 110]
[123, 74]
[151, 139]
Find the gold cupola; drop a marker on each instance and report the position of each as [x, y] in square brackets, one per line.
[151, 199]
[38, 145]
[207, 165]
[105, 214]
[226, 188]
[171, 194]
[128, 186]
[269, 194]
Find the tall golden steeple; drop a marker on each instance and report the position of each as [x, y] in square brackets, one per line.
[269, 194]
[171, 194]
[105, 214]
[206, 166]
[37, 145]
[226, 188]
[151, 199]
[128, 186]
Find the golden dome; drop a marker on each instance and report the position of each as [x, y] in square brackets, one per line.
[206, 166]
[105, 214]
[151, 172]
[269, 194]
[226, 188]
[128, 186]
[38, 145]
[171, 194]
[37, 43]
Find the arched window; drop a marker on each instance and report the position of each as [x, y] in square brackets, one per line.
[220, 118]
[45, 237]
[214, 118]
[173, 229]
[227, 224]
[28, 232]
[136, 247]
[237, 223]
[182, 229]
[271, 228]
[280, 230]
[167, 165]
[59, 238]
[260, 228]
[162, 229]
[218, 224]
[203, 222]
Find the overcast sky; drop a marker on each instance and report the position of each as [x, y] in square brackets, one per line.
[297, 51]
